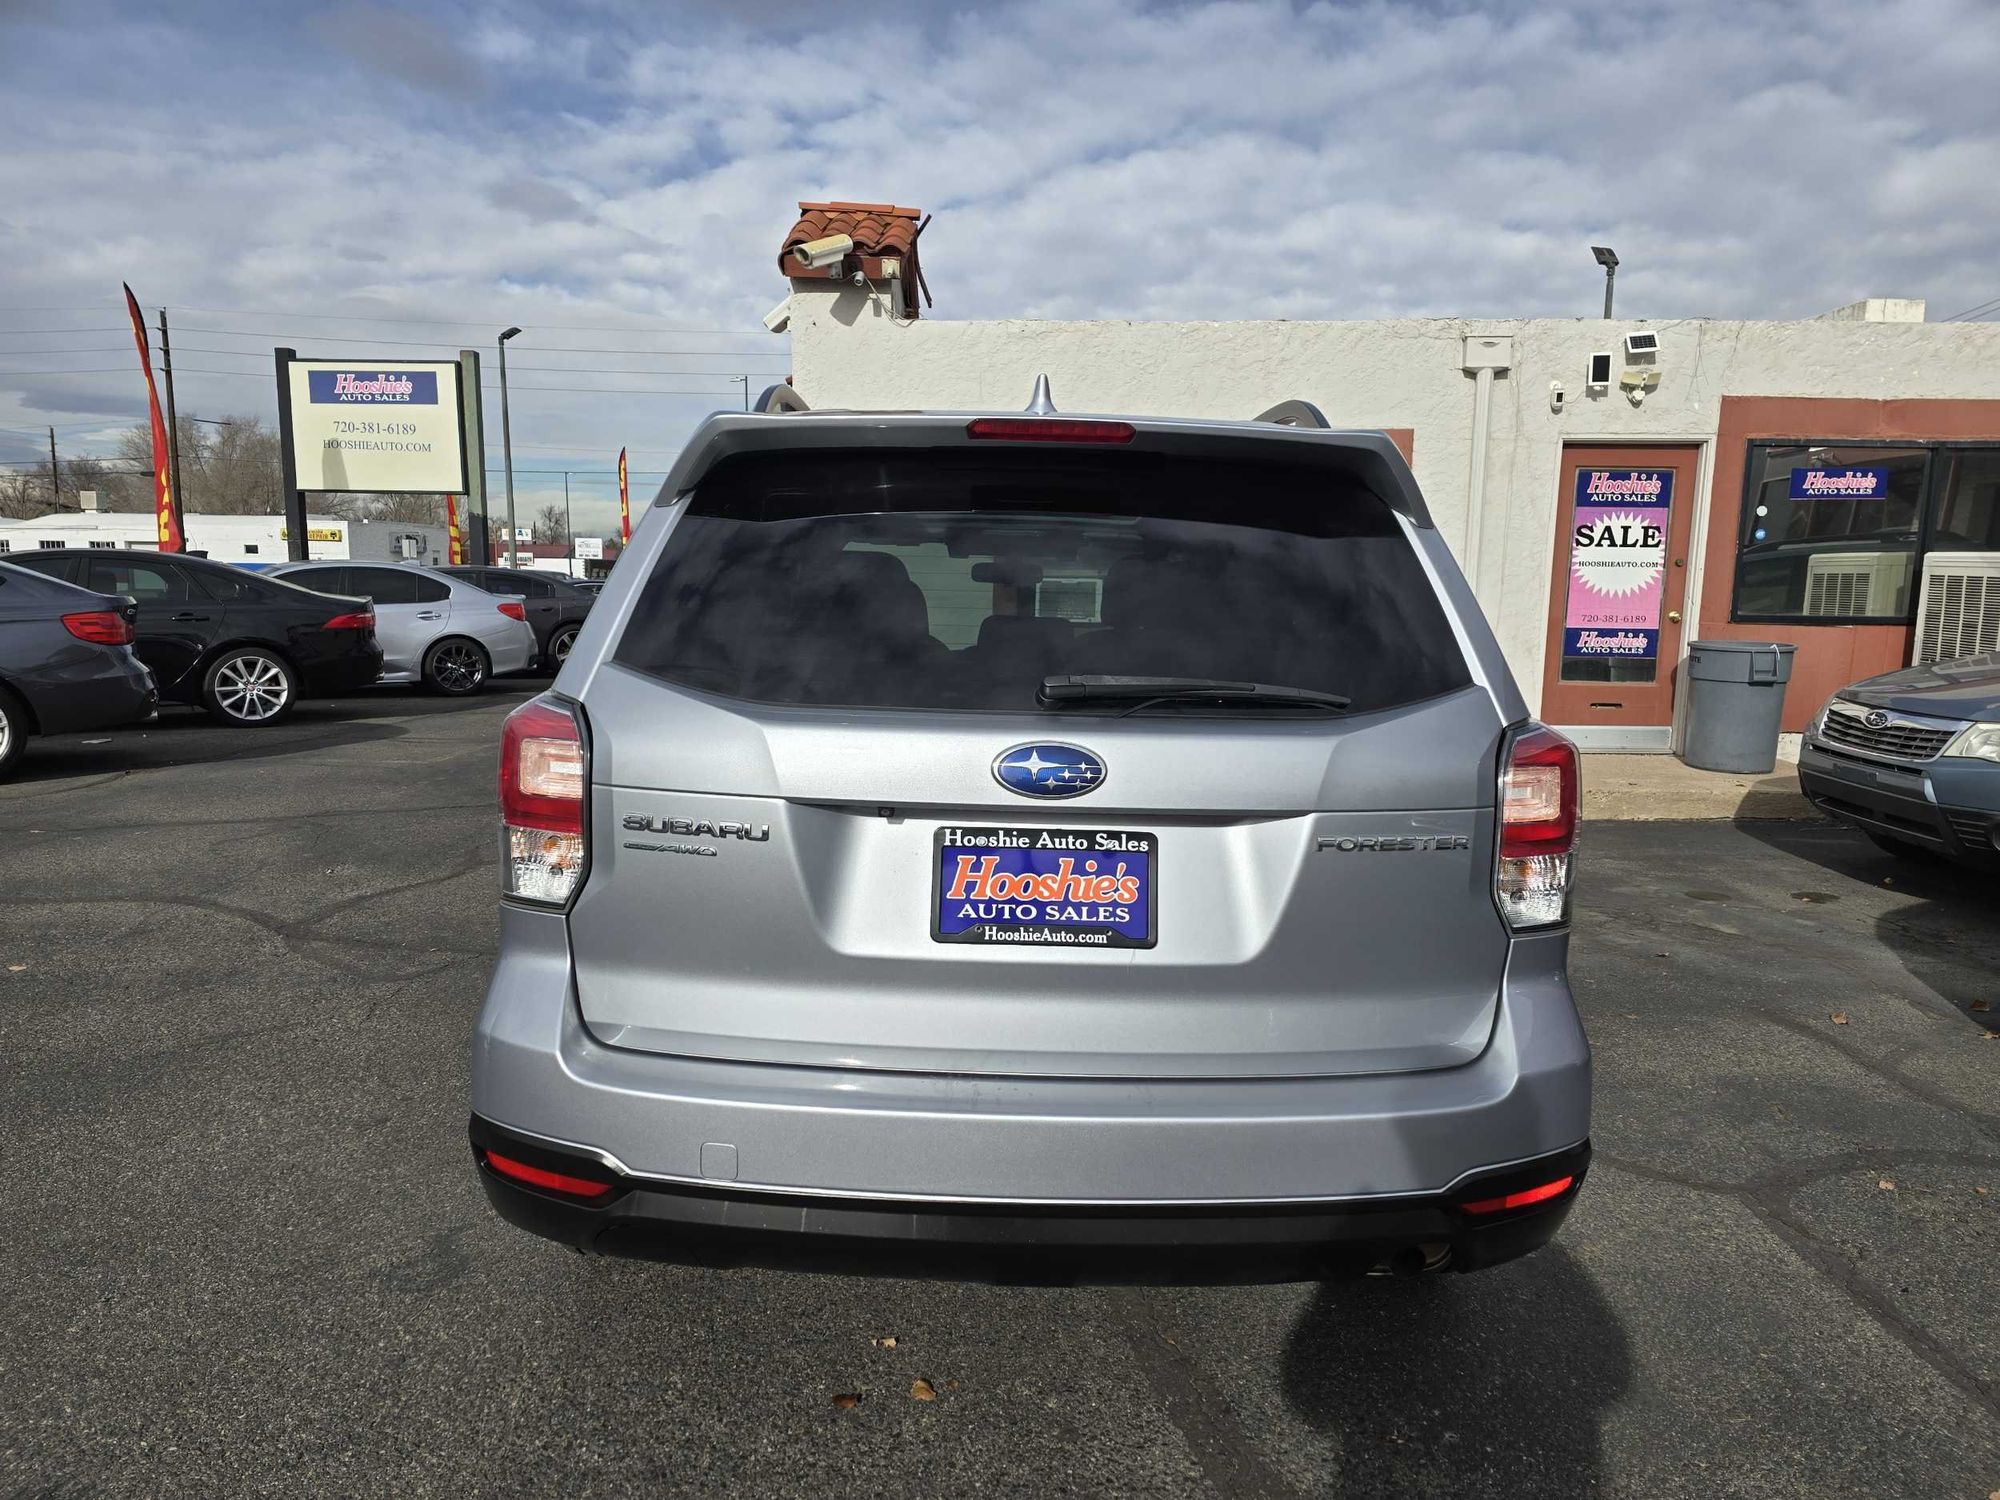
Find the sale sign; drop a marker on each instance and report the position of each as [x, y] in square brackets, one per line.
[1617, 562]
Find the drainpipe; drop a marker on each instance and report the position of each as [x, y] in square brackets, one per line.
[1485, 354]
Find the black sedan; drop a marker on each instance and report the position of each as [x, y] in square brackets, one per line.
[244, 647]
[556, 606]
[66, 661]
[1912, 759]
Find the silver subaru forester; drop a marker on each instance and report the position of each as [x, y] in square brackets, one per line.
[1036, 847]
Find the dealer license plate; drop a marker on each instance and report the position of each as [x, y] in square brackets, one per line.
[1045, 887]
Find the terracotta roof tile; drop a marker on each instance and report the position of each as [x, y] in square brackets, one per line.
[878, 229]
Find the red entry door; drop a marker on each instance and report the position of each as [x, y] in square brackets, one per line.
[1617, 606]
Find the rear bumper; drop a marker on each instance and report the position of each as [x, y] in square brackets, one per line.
[118, 690]
[343, 674]
[1950, 808]
[1102, 1243]
[701, 1132]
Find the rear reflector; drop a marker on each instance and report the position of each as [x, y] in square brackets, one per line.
[547, 1181]
[1540, 785]
[360, 619]
[1526, 1198]
[513, 610]
[1048, 430]
[542, 775]
[102, 627]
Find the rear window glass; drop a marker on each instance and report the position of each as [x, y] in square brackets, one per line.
[958, 580]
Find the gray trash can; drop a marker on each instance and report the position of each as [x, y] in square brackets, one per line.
[1737, 698]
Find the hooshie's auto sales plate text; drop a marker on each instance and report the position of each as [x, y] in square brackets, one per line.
[1045, 887]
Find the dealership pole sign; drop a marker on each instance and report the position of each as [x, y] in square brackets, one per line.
[1617, 563]
[388, 427]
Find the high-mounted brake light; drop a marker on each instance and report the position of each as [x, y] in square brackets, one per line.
[357, 619]
[513, 609]
[550, 1182]
[102, 627]
[1048, 430]
[1540, 784]
[1526, 1198]
[543, 769]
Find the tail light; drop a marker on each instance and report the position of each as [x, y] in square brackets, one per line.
[543, 771]
[359, 619]
[102, 627]
[1539, 789]
[513, 609]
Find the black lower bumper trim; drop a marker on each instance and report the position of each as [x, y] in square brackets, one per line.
[1102, 1244]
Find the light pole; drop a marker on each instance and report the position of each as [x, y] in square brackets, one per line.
[1607, 258]
[507, 446]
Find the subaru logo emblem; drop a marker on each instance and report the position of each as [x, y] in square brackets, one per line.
[1043, 770]
[1875, 719]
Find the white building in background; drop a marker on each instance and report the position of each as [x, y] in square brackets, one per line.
[231, 539]
[1799, 480]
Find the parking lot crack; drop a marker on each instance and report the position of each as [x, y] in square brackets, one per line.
[1768, 1199]
[1220, 1446]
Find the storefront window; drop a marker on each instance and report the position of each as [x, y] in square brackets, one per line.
[1830, 532]
[1967, 515]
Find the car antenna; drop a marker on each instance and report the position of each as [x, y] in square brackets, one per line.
[1041, 404]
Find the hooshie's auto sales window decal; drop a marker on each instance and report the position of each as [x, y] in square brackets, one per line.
[1618, 562]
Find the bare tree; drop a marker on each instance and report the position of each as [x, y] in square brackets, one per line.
[552, 524]
[228, 468]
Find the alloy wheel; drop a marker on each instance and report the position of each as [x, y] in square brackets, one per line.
[458, 667]
[559, 648]
[252, 688]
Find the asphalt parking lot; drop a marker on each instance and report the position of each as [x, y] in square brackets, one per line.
[242, 1251]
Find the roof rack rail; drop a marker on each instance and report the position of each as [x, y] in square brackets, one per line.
[781, 397]
[1295, 414]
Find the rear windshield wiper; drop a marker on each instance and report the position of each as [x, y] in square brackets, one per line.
[1077, 689]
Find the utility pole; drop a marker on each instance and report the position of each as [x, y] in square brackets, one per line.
[745, 379]
[55, 489]
[173, 425]
[569, 531]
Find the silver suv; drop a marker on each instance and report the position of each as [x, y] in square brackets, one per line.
[1036, 847]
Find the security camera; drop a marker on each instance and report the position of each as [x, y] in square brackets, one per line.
[816, 255]
[779, 318]
[1557, 396]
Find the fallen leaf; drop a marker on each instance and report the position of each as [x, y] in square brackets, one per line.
[1840, 1018]
[16, 968]
[847, 1400]
[1981, 1191]
[922, 1390]
[952, 1385]
[1981, 1005]
[886, 1341]
[1989, 1036]
[1887, 1185]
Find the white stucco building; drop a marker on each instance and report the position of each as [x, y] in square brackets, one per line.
[234, 539]
[1802, 472]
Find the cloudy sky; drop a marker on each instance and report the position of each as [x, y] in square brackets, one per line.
[616, 175]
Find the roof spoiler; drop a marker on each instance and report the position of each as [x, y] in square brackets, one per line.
[781, 397]
[1295, 414]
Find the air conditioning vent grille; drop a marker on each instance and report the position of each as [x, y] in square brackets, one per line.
[1959, 612]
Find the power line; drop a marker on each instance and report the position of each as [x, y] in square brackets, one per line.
[253, 333]
[1977, 309]
[238, 312]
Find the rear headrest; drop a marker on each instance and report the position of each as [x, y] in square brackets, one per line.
[880, 586]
